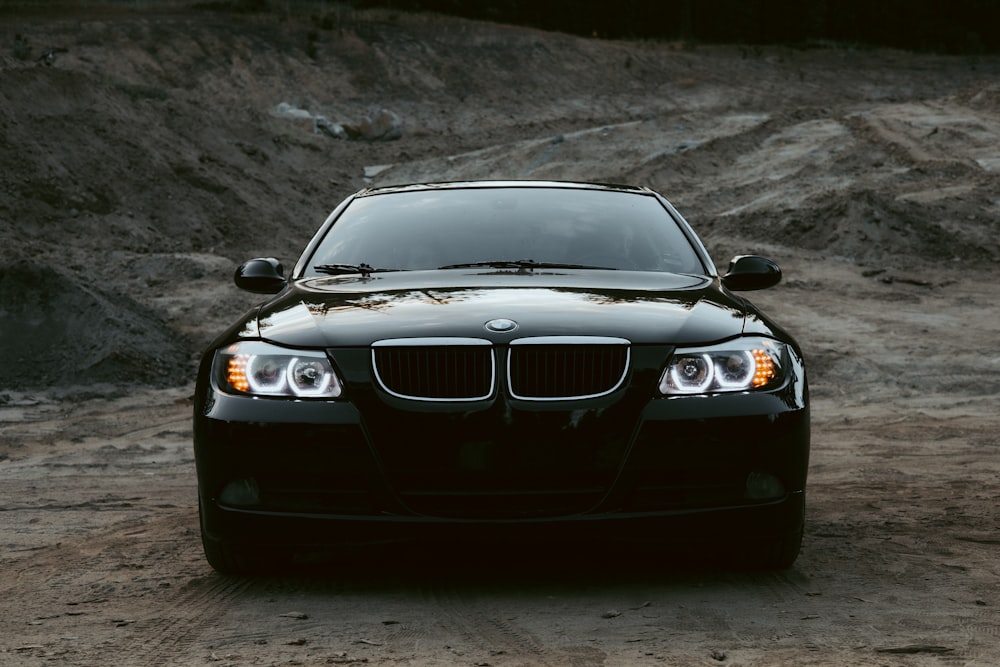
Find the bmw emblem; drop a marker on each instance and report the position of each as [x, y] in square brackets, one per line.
[501, 325]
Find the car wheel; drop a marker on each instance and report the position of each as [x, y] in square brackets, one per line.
[237, 559]
[776, 553]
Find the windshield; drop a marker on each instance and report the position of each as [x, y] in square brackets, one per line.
[452, 228]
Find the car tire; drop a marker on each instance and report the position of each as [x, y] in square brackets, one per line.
[237, 559]
[777, 553]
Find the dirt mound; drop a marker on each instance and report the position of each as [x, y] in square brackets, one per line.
[57, 331]
[985, 97]
[875, 228]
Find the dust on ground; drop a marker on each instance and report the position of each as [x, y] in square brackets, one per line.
[147, 160]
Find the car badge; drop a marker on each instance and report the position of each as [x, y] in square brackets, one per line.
[501, 325]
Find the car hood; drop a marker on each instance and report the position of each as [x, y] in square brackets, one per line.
[643, 307]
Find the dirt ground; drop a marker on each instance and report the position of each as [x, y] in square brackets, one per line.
[151, 157]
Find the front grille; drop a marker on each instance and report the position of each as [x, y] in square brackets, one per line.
[463, 369]
[546, 500]
[442, 370]
[566, 368]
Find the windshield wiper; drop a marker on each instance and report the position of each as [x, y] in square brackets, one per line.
[344, 269]
[529, 264]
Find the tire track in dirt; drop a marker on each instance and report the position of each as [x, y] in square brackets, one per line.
[478, 624]
[50, 569]
[91, 586]
[982, 632]
[76, 561]
[166, 639]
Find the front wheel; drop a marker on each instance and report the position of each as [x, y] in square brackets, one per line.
[239, 559]
[777, 553]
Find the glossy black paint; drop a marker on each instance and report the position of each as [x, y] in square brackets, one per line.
[349, 311]
[751, 272]
[261, 276]
[633, 464]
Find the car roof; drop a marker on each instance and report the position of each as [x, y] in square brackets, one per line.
[458, 185]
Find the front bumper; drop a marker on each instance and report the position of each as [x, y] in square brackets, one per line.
[299, 473]
[761, 522]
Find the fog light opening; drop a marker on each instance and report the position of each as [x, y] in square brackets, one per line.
[241, 493]
[763, 486]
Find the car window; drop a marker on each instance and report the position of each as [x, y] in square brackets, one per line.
[428, 229]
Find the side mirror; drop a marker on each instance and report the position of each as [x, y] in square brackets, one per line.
[751, 272]
[264, 275]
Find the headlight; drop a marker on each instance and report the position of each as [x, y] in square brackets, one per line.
[261, 369]
[744, 364]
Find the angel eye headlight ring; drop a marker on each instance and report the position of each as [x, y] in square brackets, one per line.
[739, 365]
[256, 368]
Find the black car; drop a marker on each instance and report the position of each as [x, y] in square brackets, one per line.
[502, 360]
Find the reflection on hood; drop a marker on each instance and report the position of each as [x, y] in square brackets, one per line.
[351, 311]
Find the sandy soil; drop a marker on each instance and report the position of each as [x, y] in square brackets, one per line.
[147, 161]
